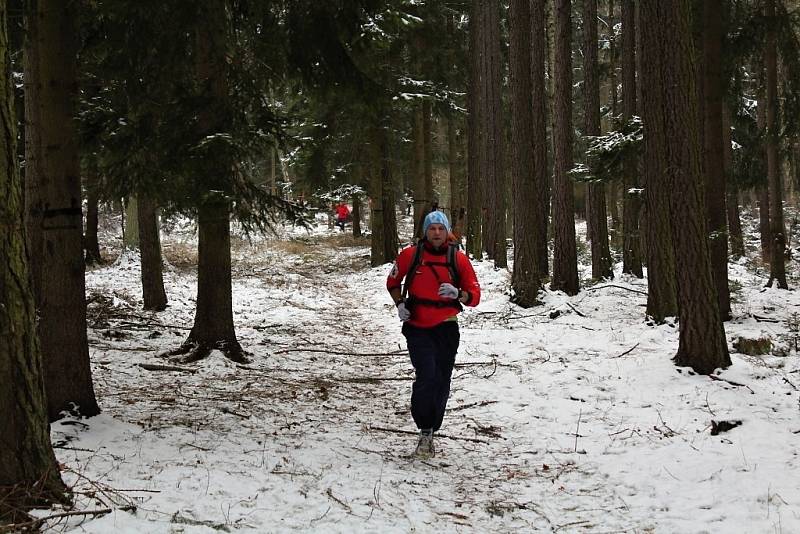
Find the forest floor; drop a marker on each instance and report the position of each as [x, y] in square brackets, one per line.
[567, 417]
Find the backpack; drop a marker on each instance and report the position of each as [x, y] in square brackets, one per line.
[451, 265]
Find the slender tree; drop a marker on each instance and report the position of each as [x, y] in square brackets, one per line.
[525, 278]
[667, 44]
[602, 264]
[474, 134]
[153, 294]
[492, 161]
[661, 282]
[732, 190]
[632, 191]
[541, 181]
[777, 271]
[565, 258]
[713, 150]
[213, 323]
[29, 474]
[54, 214]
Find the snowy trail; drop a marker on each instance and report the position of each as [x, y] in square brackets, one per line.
[300, 440]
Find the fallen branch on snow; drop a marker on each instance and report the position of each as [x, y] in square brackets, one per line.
[158, 367]
[401, 431]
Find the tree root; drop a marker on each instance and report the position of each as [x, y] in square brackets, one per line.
[192, 351]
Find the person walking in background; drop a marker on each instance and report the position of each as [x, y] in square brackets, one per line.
[342, 214]
[439, 278]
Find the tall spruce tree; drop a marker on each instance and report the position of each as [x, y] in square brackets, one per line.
[53, 205]
[29, 474]
[525, 278]
[671, 114]
[565, 256]
[602, 264]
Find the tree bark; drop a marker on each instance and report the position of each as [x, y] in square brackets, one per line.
[213, 322]
[541, 175]
[732, 191]
[29, 474]
[91, 243]
[378, 236]
[632, 191]
[762, 190]
[602, 265]
[524, 278]
[778, 249]
[662, 298]
[130, 231]
[565, 257]
[357, 213]
[421, 201]
[667, 49]
[153, 293]
[474, 137]
[713, 149]
[56, 238]
[491, 152]
[389, 217]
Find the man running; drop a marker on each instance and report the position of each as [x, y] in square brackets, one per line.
[434, 291]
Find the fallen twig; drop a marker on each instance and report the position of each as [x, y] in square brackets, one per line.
[470, 405]
[762, 319]
[158, 367]
[575, 309]
[618, 287]
[36, 523]
[731, 382]
[344, 353]
[627, 351]
[446, 436]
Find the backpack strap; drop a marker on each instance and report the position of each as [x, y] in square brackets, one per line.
[452, 249]
[412, 270]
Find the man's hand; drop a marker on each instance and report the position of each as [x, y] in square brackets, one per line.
[448, 291]
[403, 312]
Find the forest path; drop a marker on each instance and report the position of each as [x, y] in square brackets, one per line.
[315, 433]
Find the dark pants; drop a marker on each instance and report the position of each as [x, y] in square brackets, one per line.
[340, 223]
[433, 354]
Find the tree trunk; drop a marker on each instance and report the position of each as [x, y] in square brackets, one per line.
[357, 213]
[777, 265]
[602, 265]
[427, 137]
[541, 175]
[389, 217]
[130, 231]
[732, 191]
[213, 321]
[29, 474]
[91, 243]
[378, 236]
[713, 154]
[632, 191]
[474, 177]
[671, 114]
[524, 278]
[565, 257]
[493, 163]
[153, 294]
[421, 202]
[61, 293]
[662, 297]
[452, 164]
[762, 190]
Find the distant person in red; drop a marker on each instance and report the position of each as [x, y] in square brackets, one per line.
[438, 280]
[342, 214]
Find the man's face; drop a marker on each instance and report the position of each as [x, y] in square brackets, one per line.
[436, 234]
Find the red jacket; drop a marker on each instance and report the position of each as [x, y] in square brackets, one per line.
[427, 280]
[342, 211]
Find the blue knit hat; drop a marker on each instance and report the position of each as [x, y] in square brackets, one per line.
[435, 217]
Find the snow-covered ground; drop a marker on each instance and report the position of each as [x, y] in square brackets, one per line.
[575, 421]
